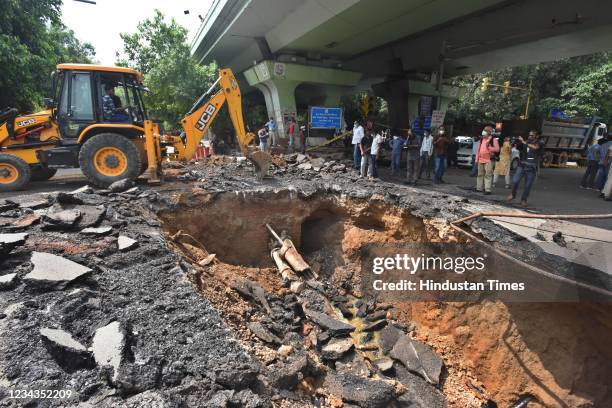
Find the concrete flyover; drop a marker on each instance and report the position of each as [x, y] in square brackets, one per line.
[316, 50]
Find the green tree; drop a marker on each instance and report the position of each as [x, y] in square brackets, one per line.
[580, 86]
[32, 42]
[160, 51]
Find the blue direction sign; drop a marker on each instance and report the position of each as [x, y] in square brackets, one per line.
[325, 118]
[417, 128]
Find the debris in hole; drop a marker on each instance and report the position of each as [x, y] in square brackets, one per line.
[559, 239]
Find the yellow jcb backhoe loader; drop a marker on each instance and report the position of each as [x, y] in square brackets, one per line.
[78, 129]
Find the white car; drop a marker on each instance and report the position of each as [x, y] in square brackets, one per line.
[464, 153]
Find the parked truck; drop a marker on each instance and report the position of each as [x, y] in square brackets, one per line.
[564, 140]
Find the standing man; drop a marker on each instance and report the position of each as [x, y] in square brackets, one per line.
[530, 152]
[425, 152]
[602, 174]
[413, 145]
[440, 148]
[292, 133]
[606, 192]
[357, 136]
[452, 153]
[376, 142]
[489, 146]
[271, 125]
[475, 147]
[263, 138]
[397, 144]
[365, 145]
[593, 152]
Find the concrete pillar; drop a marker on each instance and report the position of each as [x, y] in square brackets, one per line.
[333, 95]
[280, 100]
[278, 81]
[403, 98]
[396, 93]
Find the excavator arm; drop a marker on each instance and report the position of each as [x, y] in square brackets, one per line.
[199, 118]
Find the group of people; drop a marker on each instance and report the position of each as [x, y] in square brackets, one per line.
[491, 157]
[598, 174]
[270, 131]
[420, 151]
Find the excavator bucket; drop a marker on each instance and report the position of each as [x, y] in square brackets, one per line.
[262, 161]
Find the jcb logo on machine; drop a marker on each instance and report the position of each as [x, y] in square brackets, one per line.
[26, 122]
[208, 112]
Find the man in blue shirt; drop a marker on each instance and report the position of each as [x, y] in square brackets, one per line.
[271, 125]
[397, 144]
[112, 112]
[588, 180]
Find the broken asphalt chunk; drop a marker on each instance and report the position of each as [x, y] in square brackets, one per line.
[388, 337]
[126, 243]
[418, 358]
[262, 333]
[8, 281]
[108, 346]
[13, 239]
[375, 326]
[121, 185]
[97, 231]
[62, 219]
[69, 353]
[53, 271]
[251, 291]
[334, 327]
[287, 375]
[365, 392]
[6, 205]
[336, 348]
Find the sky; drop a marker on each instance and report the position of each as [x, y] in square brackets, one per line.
[101, 24]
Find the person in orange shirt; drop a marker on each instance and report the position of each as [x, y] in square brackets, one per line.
[488, 147]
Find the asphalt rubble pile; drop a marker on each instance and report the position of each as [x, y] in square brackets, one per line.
[95, 299]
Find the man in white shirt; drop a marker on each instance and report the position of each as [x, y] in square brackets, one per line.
[357, 136]
[475, 147]
[378, 139]
[425, 153]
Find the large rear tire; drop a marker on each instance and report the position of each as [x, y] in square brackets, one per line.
[14, 173]
[42, 173]
[109, 157]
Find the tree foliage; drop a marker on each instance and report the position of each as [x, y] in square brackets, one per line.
[160, 51]
[32, 42]
[579, 86]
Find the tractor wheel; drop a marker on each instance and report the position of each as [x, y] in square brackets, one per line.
[109, 157]
[14, 173]
[42, 173]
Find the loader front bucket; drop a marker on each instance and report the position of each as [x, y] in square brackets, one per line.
[262, 161]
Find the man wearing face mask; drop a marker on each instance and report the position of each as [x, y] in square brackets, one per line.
[488, 147]
[440, 147]
[530, 152]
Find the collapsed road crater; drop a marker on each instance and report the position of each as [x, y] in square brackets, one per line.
[233, 226]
